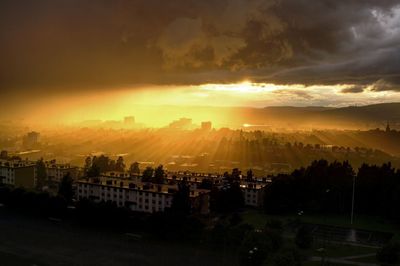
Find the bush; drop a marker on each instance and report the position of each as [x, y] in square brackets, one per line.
[389, 253]
[286, 257]
[235, 219]
[274, 224]
[304, 239]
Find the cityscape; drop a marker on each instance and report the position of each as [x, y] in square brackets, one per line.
[228, 132]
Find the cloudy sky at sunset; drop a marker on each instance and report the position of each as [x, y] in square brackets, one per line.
[225, 52]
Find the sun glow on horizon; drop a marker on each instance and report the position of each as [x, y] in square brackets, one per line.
[242, 87]
[152, 104]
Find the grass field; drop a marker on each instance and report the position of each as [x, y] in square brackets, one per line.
[332, 250]
[258, 219]
[340, 250]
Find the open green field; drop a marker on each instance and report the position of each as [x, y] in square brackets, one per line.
[258, 219]
[331, 250]
[340, 250]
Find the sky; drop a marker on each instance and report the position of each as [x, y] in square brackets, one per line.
[73, 53]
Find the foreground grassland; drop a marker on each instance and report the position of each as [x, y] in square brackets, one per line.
[258, 219]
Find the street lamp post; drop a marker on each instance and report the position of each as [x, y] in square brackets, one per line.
[324, 240]
[352, 201]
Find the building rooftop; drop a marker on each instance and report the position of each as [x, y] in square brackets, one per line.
[140, 186]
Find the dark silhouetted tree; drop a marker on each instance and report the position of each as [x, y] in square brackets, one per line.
[181, 200]
[94, 171]
[206, 184]
[134, 168]
[389, 253]
[159, 175]
[147, 174]
[236, 174]
[304, 238]
[228, 198]
[88, 164]
[41, 174]
[65, 188]
[249, 176]
[120, 165]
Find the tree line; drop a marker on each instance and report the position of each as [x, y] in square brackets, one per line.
[325, 187]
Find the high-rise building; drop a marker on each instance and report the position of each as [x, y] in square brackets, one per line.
[30, 140]
[207, 125]
[129, 120]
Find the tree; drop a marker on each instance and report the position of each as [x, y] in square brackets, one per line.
[181, 200]
[235, 219]
[112, 166]
[120, 165]
[254, 249]
[147, 174]
[304, 239]
[41, 174]
[159, 175]
[94, 171]
[88, 164]
[250, 175]
[287, 257]
[206, 183]
[102, 163]
[228, 198]
[389, 253]
[134, 168]
[236, 174]
[65, 188]
[4, 155]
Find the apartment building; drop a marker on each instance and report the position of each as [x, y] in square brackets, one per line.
[138, 196]
[18, 173]
[55, 171]
[253, 193]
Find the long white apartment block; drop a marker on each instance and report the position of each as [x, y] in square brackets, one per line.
[137, 196]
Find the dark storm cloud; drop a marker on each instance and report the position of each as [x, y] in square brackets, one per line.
[297, 93]
[353, 89]
[386, 85]
[87, 43]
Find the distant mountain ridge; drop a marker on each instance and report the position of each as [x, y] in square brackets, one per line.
[366, 116]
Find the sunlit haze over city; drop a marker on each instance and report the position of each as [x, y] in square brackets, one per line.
[214, 132]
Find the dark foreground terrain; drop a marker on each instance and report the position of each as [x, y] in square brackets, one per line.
[30, 241]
